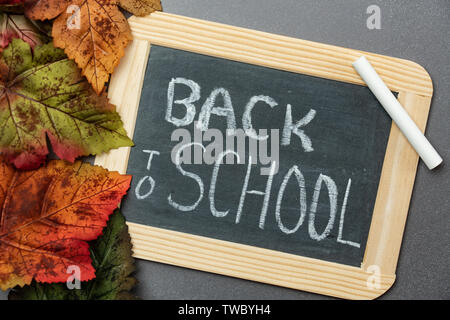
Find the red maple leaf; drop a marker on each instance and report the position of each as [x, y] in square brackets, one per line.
[48, 215]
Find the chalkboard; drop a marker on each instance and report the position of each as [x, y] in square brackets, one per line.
[322, 205]
[334, 158]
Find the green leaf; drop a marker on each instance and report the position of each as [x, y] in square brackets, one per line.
[112, 260]
[43, 94]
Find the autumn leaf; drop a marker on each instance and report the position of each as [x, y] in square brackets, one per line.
[141, 7]
[92, 32]
[47, 215]
[11, 3]
[17, 26]
[99, 43]
[111, 258]
[14, 6]
[43, 94]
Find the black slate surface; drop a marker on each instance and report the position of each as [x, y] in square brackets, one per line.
[349, 134]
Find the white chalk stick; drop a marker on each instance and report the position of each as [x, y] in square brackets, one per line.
[423, 147]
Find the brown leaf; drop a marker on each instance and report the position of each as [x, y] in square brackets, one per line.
[45, 9]
[99, 43]
[141, 7]
[95, 36]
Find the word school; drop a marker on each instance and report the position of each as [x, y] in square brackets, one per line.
[146, 185]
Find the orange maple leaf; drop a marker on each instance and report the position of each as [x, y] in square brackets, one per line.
[92, 32]
[47, 215]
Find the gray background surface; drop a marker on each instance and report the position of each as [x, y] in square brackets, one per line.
[411, 29]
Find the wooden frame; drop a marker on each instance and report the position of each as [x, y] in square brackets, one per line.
[397, 179]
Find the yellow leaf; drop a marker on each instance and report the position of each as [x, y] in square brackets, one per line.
[92, 32]
[141, 7]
